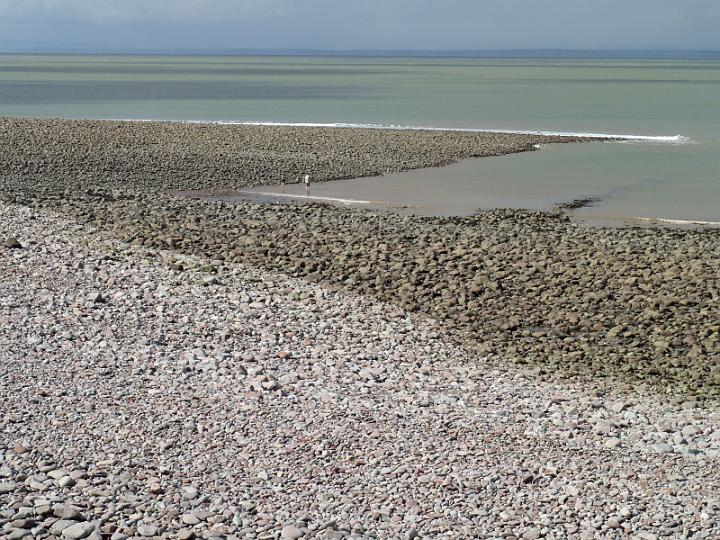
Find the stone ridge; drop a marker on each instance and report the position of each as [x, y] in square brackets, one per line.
[100, 155]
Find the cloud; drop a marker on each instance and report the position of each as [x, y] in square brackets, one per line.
[115, 11]
[344, 24]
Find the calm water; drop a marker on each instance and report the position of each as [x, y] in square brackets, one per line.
[653, 97]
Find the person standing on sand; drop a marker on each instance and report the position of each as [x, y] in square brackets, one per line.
[282, 184]
[307, 184]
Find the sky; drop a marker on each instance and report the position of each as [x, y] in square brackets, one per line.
[359, 24]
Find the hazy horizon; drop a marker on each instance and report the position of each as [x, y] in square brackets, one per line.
[540, 53]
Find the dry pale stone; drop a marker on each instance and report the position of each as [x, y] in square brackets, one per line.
[60, 525]
[78, 530]
[291, 532]
[190, 519]
[64, 511]
[190, 492]
[147, 530]
[7, 487]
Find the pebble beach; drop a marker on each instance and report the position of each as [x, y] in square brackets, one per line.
[173, 367]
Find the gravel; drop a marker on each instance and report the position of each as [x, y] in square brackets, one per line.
[632, 306]
[173, 368]
[267, 406]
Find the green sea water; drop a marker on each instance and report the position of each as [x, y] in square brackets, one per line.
[662, 98]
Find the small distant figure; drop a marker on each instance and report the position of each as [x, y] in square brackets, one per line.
[307, 184]
[282, 184]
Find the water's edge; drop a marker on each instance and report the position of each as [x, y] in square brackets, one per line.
[673, 139]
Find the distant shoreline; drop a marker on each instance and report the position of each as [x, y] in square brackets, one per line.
[500, 54]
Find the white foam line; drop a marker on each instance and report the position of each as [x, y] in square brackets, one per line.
[673, 139]
[678, 221]
[610, 136]
[307, 197]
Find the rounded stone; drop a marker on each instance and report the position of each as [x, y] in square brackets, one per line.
[78, 530]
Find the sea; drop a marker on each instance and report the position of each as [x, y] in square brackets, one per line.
[667, 167]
